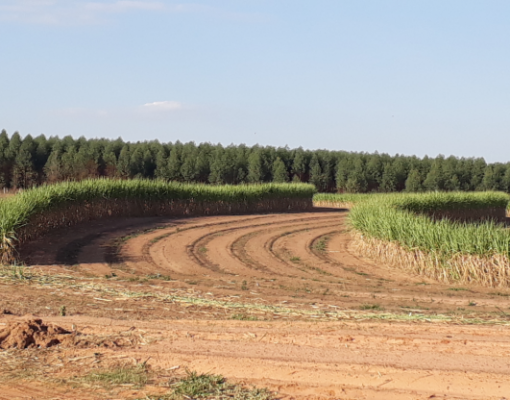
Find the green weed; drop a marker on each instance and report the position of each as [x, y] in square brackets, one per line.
[370, 307]
[244, 317]
[124, 375]
[207, 386]
[159, 276]
[321, 244]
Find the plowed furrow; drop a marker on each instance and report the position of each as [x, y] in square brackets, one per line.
[291, 249]
[170, 251]
[238, 249]
[213, 250]
[258, 249]
[175, 252]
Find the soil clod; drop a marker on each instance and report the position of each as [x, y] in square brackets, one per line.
[32, 334]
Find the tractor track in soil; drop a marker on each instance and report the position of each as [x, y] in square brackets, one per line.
[303, 262]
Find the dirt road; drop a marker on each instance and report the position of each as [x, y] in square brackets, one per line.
[278, 301]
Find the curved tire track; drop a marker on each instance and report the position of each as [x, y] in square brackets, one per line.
[340, 359]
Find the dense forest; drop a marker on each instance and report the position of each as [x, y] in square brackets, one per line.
[28, 161]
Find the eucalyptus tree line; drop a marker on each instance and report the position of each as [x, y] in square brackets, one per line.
[31, 161]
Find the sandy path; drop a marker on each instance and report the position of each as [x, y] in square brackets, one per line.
[326, 360]
[302, 262]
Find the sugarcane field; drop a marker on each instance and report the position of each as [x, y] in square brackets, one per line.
[254, 200]
[251, 291]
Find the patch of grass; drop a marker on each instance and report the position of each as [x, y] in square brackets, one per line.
[321, 244]
[370, 307]
[202, 249]
[15, 272]
[137, 375]
[207, 386]
[319, 270]
[500, 294]
[471, 304]
[244, 285]
[457, 289]
[356, 272]
[192, 282]
[137, 279]
[159, 276]
[244, 317]
[295, 259]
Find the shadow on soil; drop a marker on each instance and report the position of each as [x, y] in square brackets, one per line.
[68, 246]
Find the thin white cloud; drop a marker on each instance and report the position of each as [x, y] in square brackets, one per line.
[163, 106]
[28, 11]
[87, 12]
[123, 6]
[73, 12]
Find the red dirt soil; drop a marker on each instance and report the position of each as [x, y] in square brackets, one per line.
[32, 333]
[278, 301]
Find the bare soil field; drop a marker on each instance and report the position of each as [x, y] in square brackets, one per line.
[277, 301]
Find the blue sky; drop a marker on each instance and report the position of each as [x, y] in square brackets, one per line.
[410, 77]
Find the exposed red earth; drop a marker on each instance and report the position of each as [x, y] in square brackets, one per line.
[278, 300]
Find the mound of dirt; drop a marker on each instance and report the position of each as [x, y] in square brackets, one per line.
[32, 334]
